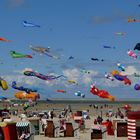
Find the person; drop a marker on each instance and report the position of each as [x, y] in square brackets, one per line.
[99, 119]
[22, 136]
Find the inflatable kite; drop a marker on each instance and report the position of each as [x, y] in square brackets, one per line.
[120, 33]
[127, 107]
[121, 67]
[132, 54]
[43, 50]
[137, 87]
[96, 59]
[72, 81]
[27, 24]
[101, 93]
[3, 84]
[137, 47]
[62, 91]
[109, 47]
[84, 71]
[14, 54]
[78, 93]
[130, 20]
[41, 76]
[3, 39]
[23, 95]
[120, 77]
[21, 88]
[108, 76]
[40, 49]
[136, 75]
[71, 57]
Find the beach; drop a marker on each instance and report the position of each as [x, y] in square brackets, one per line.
[94, 110]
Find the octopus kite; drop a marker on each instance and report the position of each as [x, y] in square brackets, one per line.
[101, 93]
[41, 76]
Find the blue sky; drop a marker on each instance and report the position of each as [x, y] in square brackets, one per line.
[78, 28]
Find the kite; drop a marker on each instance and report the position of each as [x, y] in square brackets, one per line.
[27, 24]
[108, 76]
[96, 59]
[71, 57]
[23, 95]
[84, 71]
[120, 77]
[109, 47]
[41, 76]
[43, 50]
[137, 47]
[40, 49]
[62, 91]
[3, 39]
[136, 75]
[121, 67]
[137, 87]
[14, 54]
[127, 107]
[3, 84]
[101, 93]
[2, 98]
[132, 54]
[120, 33]
[72, 81]
[21, 88]
[130, 20]
[78, 93]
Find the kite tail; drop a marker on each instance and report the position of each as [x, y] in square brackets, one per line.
[29, 56]
[111, 98]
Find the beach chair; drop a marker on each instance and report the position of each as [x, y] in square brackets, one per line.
[51, 129]
[71, 130]
[98, 132]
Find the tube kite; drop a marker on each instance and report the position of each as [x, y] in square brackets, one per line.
[23, 95]
[121, 77]
[14, 54]
[21, 88]
[101, 93]
[41, 76]
[28, 24]
[3, 84]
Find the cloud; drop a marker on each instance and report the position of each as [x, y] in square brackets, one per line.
[16, 3]
[130, 70]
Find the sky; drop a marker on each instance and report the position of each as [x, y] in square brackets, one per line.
[78, 28]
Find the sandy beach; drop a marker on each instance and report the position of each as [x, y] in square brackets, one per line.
[94, 110]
